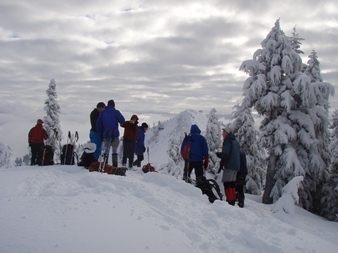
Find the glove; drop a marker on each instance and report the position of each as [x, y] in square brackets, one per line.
[206, 163]
[219, 154]
[221, 165]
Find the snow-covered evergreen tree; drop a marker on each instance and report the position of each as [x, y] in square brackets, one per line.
[6, 156]
[280, 92]
[243, 126]
[213, 137]
[319, 116]
[176, 163]
[52, 121]
[330, 189]
[295, 41]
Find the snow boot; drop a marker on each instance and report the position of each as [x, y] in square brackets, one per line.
[114, 156]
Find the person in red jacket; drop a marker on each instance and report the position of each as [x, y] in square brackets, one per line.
[36, 136]
[129, 140]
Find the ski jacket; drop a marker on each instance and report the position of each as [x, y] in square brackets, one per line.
[107, 122]
[198, 145]
[37, 134]
[130, 129]
[139, 147]
[230, 153]
[93, 118]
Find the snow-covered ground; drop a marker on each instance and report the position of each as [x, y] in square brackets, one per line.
[64, 208]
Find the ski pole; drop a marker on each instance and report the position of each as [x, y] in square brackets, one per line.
[66, 149]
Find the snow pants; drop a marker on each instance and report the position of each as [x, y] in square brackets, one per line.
[229, 183]
[96, 138]
[128, 152]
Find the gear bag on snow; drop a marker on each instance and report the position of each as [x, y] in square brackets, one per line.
[88, 155]
[210, 188]
[46, 156]
[67, 154]
[148, 167]
[119, 171]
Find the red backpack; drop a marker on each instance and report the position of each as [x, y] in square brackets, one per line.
[186, 147]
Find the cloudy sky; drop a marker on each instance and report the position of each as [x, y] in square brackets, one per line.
[154, 58]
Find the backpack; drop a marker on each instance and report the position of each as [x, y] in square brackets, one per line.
[67, 156]
[186, 147]
[148, 168]
[119, 171]
[210, 188]
[46, 156]
[86, 159]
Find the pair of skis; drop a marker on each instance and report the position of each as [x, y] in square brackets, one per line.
[71, 139]
[104, 153]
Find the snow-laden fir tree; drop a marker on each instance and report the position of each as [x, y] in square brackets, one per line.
[319, 116]
[6, 156]
[295, 41]
[213, 137]
[243, 125]
[176, 163]
[330, 189]
[52, 121]
[280, 92]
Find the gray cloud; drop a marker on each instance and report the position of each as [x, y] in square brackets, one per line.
[154, 58]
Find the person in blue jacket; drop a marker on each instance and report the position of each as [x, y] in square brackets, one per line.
[240, 179]
[199, 153]
[230, 163]
[139, 146]
[107, 126]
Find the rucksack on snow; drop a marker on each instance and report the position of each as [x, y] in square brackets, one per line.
[210, 188]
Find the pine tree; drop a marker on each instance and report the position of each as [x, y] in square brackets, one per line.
[330, 189]
[244, 127]
[276, 88]
[213, 137]
[319, 116]
[52, 121]
[6, 156]
[295, 41]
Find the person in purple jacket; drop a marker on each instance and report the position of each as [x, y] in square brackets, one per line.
[107, 126]
[139, 146]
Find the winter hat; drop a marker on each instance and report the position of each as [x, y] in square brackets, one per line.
[227, 128]
[39, 121]
[134, 117]
[144, 125]
[111, 103]
[100, 105]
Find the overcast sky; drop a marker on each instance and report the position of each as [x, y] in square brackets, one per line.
[154, 58]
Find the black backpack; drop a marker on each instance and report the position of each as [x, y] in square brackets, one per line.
[86, 160]
[67, 155]
[46, 155]
[210, 188]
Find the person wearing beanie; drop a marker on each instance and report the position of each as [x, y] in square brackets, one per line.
[129, 139]
[93, 135]
[36, 136]
[230, 163]
[139, 147]
[107, 126]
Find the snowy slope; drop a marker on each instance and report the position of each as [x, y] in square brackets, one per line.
[68, 209]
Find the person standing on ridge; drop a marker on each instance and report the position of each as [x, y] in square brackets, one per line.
[230, 163]
[107, 126]
[93, 135]
[129, 139]
[36, 136]
[199, 153]
[139, 147]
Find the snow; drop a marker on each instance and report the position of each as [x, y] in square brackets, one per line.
[64, 208]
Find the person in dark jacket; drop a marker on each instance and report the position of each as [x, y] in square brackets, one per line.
[129, 139]
[230, 163]
[93, 135]
[240, 179]
[139, 147]
[107, 126]
[36, 136]
[199, 153]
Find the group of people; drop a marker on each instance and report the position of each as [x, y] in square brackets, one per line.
[233, 162]
[105, 122]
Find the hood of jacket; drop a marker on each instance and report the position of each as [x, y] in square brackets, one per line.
[195, 130]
